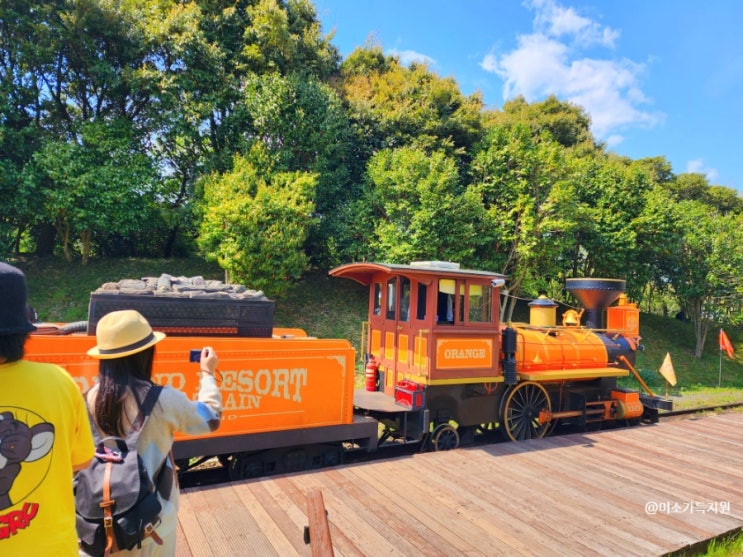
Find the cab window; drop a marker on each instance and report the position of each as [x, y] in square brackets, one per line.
[422, 302]
[391, 298]
[479, 304]
[445, 302]
[377, 298]
[404, 299]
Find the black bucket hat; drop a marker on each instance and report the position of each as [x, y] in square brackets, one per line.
[13, 301]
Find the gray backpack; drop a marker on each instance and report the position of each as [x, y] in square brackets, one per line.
[115, 499]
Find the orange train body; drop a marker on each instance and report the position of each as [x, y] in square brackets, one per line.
[267, 384]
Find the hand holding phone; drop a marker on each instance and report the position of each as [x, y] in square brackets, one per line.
[208, 360]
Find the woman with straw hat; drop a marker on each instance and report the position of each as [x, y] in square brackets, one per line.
[126, 347]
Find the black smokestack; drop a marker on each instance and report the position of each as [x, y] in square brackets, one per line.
[596, 294]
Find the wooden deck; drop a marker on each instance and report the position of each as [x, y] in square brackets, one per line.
[644, 491]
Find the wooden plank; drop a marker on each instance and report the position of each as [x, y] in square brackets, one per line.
[192, 506]
[319, 531]
[212, 514]
[559, 507]
[487, 489]
[410, 504]
[578, 497]
[675, 478]
[365, 524]
[627, 494]
[582, 494]
[678, 449]
[378, 513]
[182, 547]
[352, 537]
[281, 546]
[240, 531]
[290, 519]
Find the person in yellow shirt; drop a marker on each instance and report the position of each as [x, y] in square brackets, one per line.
[45, 437]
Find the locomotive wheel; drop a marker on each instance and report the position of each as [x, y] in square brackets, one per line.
[521, 411]
[444, 438]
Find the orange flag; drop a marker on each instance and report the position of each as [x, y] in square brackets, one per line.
[725, 344]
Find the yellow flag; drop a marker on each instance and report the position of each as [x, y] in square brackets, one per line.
[666, 370]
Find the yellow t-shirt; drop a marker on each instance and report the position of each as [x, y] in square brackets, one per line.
[44, 433]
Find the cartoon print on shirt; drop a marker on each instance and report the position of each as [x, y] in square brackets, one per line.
[20, 443]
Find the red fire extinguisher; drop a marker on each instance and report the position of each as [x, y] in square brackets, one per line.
[370, 372]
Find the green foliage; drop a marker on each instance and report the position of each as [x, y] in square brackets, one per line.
[397, 106]
[567, 124]
[521, 180]
[255, 224]
[101, 183]
[730, 545]
[302, 126]
[418, 197]
[703, 266]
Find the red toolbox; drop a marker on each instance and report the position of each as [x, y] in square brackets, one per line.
[410, 394]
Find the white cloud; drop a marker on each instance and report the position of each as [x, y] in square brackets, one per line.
[550, 61]
[613, 140]
[697, 166]
[557, 21]
[408, 57]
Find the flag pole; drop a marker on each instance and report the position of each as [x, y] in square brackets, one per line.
[719, 376]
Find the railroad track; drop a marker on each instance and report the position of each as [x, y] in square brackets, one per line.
[700, 410]
[211, 472]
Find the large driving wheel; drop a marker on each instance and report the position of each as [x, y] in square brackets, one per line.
[521, 411]
[445, 437]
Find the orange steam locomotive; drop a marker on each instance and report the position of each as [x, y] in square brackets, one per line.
[439, 368]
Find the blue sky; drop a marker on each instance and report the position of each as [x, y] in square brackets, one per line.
[657, 77]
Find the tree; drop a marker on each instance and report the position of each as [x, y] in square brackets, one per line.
[302, 126]
[611, 194]
[528, 202]
[100, 183]
[704, 269]
[174, 71]
[395, 106]
[255, 222]
[568, 124]
[421, 209]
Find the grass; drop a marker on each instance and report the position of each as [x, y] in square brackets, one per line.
[725, 547]
[729, 545]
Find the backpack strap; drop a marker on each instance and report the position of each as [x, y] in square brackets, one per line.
[153, 393]
[150, 399]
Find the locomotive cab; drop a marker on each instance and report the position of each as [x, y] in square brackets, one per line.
[430, 323]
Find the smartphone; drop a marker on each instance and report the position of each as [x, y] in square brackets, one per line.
[195, 355]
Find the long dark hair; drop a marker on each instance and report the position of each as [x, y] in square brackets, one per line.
[11, 347]
[115, 378]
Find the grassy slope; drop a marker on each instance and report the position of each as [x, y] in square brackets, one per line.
[335, 308]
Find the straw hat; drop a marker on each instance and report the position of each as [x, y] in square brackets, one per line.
[13, 298]
[123, 333]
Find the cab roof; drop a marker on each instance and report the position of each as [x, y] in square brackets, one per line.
[422, 271]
